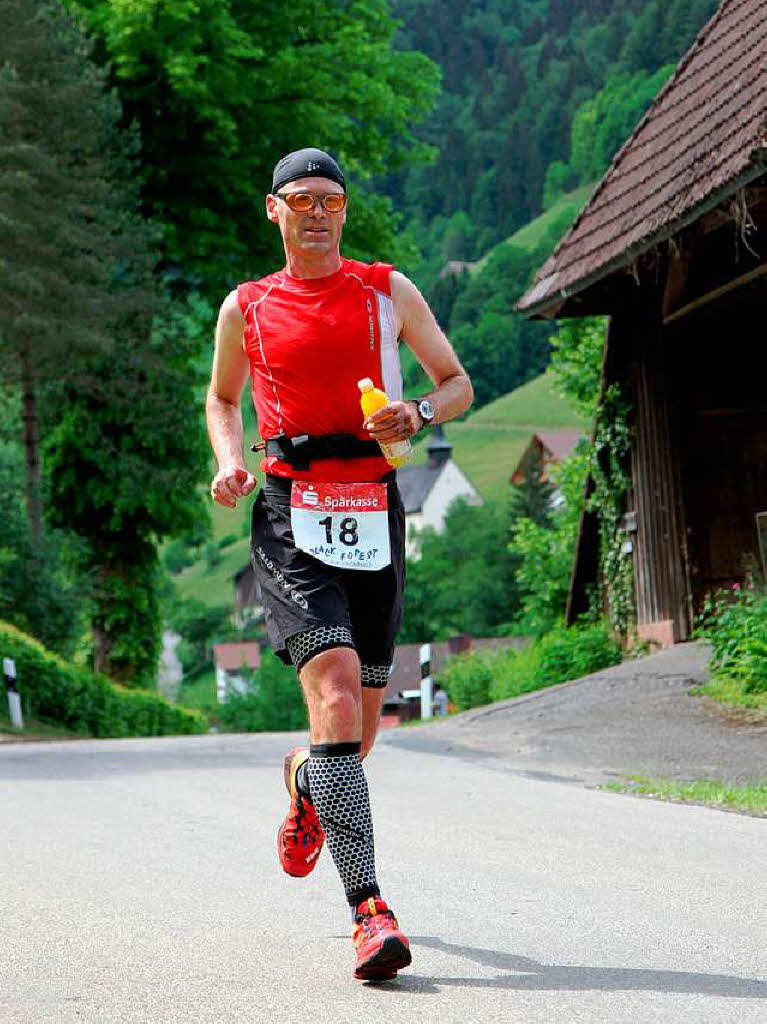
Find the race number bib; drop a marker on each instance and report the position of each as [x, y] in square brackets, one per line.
[344, 525]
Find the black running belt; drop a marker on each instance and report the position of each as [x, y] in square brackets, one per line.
[299, 451]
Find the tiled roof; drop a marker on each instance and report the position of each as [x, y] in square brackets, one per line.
[232, 657]
[560, 443]
[415, 483]
[704, 135]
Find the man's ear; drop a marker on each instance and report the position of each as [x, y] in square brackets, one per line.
[271, 208]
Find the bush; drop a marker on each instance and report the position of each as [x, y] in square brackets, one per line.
[475, 679]
[72, 696]
[735, 624]
[467, 679]
[274, 702]
[177, 555]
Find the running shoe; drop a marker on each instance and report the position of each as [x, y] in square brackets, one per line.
[300, 837]
[382, 949]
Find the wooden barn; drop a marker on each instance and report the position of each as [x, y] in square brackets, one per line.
[673, 247]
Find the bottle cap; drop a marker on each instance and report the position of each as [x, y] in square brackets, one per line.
[366, 384]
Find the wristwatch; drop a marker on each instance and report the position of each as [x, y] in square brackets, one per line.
[425, 411]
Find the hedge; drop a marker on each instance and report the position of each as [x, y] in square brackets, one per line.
[471, 680]
[60, 693]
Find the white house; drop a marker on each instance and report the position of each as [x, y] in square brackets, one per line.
[429, 490]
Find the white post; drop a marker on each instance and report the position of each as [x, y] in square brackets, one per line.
[221, 688]
[14, 700]
[426, 696]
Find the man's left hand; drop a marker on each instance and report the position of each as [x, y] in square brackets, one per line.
[396, 422]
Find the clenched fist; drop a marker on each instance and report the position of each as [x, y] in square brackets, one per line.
[231, 483]
[395, 422]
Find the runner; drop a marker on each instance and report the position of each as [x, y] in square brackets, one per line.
[328, 524]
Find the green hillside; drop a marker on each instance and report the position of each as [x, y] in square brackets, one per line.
[488, 444]
[563, 211]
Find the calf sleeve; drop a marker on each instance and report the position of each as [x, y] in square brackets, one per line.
[339, 792]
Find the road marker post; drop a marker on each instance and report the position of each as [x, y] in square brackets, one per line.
[14, 699]
[426, 687]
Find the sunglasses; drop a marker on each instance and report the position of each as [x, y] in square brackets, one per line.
[303, 202]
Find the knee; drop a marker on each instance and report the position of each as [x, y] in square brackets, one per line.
[338, 699]
[332, 683]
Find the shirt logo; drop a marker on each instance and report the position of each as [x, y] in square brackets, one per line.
[371, 325]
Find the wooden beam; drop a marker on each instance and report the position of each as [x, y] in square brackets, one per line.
[717, 293]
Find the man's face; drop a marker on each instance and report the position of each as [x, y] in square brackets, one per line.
[316, 231]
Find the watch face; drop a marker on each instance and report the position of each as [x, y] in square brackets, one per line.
[426, 410]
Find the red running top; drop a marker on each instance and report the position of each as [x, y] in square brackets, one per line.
[309, 341]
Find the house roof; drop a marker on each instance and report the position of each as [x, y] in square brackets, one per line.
[560, 443]
[704, 136]
[231, 657]
[557, 445]
[415, 483]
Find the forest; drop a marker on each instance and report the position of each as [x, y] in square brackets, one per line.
[136, 145]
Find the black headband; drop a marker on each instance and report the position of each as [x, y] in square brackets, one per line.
[306, 163]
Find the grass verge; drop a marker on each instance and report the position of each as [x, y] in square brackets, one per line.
[751, 798]
[34, 730]
[730, 691]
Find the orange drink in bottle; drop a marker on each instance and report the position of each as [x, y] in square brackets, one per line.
[396, 453]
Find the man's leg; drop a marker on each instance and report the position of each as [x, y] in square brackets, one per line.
[340, 714]
[371, 717]
[336, 780]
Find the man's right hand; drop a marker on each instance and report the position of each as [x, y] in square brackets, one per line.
[231, 483]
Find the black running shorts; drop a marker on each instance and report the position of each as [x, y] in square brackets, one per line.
[311, 606]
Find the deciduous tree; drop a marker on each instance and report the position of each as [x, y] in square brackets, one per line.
[222, 89]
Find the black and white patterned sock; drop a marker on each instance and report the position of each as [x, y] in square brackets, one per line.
[339, 792]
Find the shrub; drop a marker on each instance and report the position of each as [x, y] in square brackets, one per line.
[735, 623]
[273, 703]
[55, 691]
[467, 679]
[475, 679]
[177, 555]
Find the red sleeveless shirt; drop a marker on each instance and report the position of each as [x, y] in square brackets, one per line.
[309, 341]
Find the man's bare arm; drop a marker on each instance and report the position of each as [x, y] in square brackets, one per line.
[222, 407]
[420, 331]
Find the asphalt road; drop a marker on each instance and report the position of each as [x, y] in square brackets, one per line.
[139, 883]
[637, 718]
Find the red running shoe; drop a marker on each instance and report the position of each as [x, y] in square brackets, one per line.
[300, 837]
[382, 949]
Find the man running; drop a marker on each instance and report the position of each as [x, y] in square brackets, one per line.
[328, 523]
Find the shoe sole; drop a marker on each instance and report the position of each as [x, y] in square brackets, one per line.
[290, 766]
[383, 965]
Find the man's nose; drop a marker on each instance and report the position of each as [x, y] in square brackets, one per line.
[317, 210]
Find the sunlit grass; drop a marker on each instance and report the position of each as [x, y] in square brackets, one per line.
[730, 691]
[751, 797]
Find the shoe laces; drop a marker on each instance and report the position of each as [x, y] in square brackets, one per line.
[372, 916]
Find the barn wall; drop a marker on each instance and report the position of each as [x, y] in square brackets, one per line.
[660, 562]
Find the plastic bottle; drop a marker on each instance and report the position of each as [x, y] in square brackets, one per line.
[396, 453]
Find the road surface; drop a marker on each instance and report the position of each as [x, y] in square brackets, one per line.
[139, 883]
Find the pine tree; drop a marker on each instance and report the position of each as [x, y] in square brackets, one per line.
[58, 214]
[104, 363]
[532, 498]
